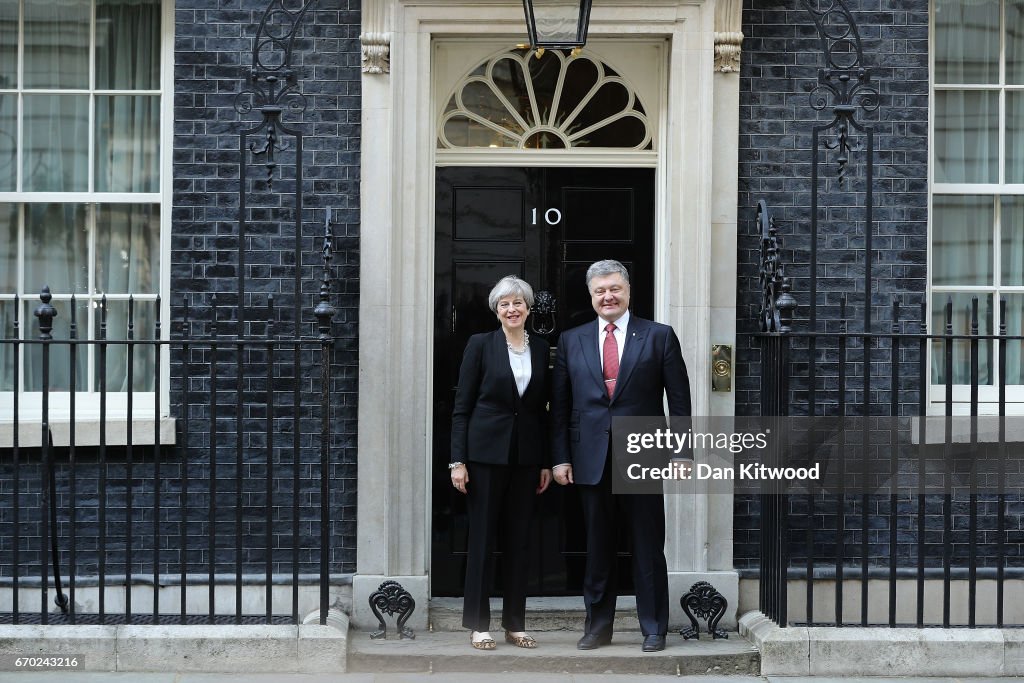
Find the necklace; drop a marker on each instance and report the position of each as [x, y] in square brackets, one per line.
[526, 344]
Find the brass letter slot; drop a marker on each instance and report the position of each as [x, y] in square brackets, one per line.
[721, 367]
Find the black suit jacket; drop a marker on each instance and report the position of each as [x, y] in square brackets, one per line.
[489, 410]
[652, 368]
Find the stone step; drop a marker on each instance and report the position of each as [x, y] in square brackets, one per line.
[542, 614]
[450, 652]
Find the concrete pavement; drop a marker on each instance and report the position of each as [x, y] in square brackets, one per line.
[130, 677]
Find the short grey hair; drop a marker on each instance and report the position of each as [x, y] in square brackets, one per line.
[510, 285]
[607, 267]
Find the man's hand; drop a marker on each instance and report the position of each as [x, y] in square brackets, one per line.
[545, 481]
[563, 474]
[460, 477]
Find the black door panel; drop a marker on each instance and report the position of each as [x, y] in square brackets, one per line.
[546, 226]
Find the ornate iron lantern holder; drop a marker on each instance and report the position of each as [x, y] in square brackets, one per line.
[557, 24]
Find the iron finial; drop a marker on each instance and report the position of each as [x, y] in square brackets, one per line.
[46, 313]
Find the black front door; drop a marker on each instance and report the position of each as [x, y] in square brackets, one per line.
[546, 226]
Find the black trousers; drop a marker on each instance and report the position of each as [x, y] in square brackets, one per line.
[498, 496]
[644, 517]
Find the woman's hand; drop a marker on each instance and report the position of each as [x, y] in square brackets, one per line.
[563, 474]
[545, 481]
[460, 477]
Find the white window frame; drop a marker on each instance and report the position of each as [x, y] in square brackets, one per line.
[87, 402]
[988, 394]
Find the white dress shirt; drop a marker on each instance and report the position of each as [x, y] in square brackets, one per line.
[620, 335]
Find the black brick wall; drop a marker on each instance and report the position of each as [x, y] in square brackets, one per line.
[780, 61]
[213, 55]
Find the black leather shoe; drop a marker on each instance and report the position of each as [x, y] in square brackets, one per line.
[592, 641]
[654, 643]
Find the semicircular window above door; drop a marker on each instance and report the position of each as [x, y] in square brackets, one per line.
[555, 101]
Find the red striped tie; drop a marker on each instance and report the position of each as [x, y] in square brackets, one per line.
[611, 359]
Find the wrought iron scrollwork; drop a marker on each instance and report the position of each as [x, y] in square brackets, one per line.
[542, 315]
[777, 304]
[273, 85]
[845, 82]
[272, 90]
[391, 598]
[845, 86]
[703, 601]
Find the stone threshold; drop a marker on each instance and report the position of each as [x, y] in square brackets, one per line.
[450, 652]
[542, 614]
[880, 651]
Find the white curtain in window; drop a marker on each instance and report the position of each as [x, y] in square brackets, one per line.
[1014, 326]
[8, 248]
[128, 44]
[1015, 42]
[57, 43]
[8, 283]
[1012, 225]
[56, 248]
[6, 351]
[966, 41]
[8, 141]
[127, 127]
[8, 101]
[961, 321]
[55, 143]
[8, 43]
[60, 362]
[962, 250]
[127, 249]
[127, 143]
[56, 255]
[1012, 247]
[1015, 135]
[127, 262]
[966, 136]
[144, 358]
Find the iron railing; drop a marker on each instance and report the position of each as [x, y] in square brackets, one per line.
[847, 545]
[242, 498]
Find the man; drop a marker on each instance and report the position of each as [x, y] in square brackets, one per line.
[618, 365]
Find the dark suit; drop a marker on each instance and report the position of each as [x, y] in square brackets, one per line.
[581, 412]
[502, 437]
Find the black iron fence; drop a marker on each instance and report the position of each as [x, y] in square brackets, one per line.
[927, 553]
[202, 501]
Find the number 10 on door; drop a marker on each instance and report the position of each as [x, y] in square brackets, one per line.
[552, 216]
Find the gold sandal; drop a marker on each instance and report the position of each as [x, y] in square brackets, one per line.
[521, 641]
[485, 644]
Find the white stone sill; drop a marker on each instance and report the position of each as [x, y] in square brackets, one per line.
[87, 432]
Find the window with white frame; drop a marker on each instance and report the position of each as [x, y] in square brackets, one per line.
[977, 174]
[80, 181]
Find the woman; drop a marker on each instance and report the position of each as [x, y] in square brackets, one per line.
[500, 457]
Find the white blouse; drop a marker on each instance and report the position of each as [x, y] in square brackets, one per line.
[522, 368]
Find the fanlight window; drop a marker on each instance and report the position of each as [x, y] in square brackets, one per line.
[554, 101]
